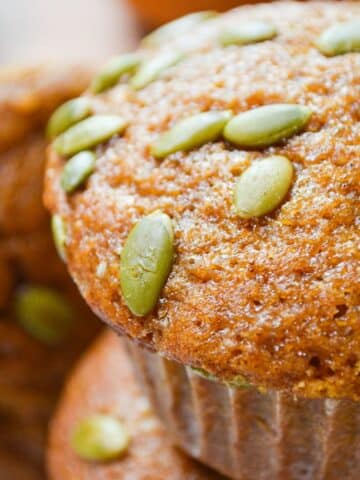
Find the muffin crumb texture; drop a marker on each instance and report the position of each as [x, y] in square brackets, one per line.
[273, 298]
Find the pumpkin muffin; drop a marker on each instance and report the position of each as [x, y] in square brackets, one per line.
[41, 311]
[216, 223]
[90, 391]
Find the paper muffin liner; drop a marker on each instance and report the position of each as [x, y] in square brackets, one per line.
[249, 435]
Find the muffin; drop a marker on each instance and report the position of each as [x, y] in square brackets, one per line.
[91, 390]
[40, 309]
[219, 230]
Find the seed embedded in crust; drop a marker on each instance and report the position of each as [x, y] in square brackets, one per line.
[89, 133]
[77, 170]
[58, 229]
[151, 69]
[246, 33]
[146, 261]
[340, 39]
[43, 313]
[177, 27]
[100, 438]
[239, 381]
[263, 186]
[114, 70]
[236, 382]
[67, 115]
[267, 125]
[191, 132]
[200, 372]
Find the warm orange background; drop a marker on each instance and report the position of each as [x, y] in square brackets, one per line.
[155, 12]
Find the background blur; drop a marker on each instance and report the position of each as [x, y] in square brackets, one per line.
[65, 31]
[89, 31]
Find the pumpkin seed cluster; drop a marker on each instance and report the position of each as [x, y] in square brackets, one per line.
[76, 131]
[148, 252]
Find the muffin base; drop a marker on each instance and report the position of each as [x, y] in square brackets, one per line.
[250, 435]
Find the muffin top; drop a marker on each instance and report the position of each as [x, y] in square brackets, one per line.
[244, 261]
[150, 453]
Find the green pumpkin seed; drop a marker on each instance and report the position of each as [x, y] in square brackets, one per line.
[58, 229]
[191, 132]
[151, 69]
[77, 170]
[100, 438]
[339, 39]
[200, 372]
[67, 115]
[246, 33]
[236, 382]
[146, 261]
[88, 134]
[263, 186]
[239, 382]
[44, 314]
[267, 125]
[114, 70]
[177, 27]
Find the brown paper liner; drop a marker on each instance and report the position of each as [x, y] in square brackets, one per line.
[249, 435]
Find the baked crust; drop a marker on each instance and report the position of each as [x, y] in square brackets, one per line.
[274, 299]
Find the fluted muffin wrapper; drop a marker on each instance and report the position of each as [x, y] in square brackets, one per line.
[249, 435]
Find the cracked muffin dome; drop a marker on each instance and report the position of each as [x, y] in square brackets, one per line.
[218, 222]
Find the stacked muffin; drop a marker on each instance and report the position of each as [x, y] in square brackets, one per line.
[150, 454]
[213, 218]
[44, 324]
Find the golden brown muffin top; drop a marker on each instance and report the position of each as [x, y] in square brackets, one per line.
[91, 390]
[276, 298]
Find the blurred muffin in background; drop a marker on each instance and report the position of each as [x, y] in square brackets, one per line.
[156, 12]
[44, 324]
[84, 31]
[226, 200]
[91, 391]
